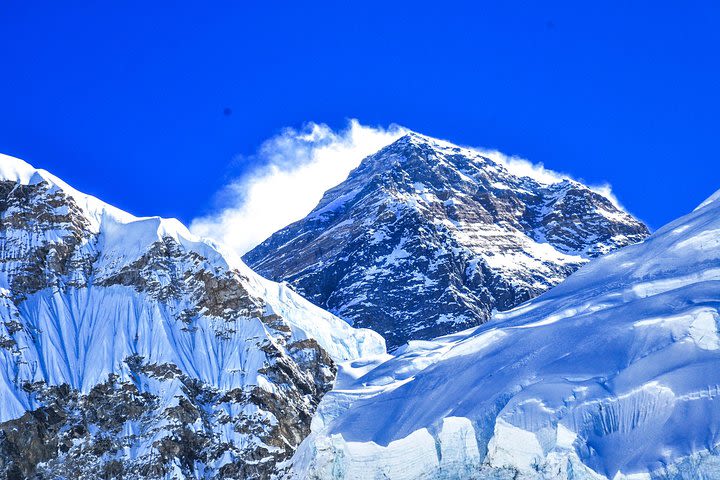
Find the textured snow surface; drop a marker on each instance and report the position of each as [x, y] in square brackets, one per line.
[90, 335]
[85, 315]
[615, 373]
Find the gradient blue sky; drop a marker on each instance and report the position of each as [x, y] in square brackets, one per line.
[126, 101]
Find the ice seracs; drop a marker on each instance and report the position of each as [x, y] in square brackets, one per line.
[613, 374]
[130, 348]
[426, 238]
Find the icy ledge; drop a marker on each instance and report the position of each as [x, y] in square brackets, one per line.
[614, 374]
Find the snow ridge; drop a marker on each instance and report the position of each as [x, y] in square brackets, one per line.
[131, 348]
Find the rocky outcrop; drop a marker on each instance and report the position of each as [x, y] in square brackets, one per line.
[426, 238]
[33, 260]
[131, 349]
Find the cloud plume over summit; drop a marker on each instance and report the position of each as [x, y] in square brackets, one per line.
[295, 168]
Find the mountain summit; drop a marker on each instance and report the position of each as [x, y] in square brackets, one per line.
[130, 348]
[426, 238]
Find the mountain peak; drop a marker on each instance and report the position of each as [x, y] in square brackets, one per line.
[452, 154]
[16, 170]
[461, 232]
[419, 139]
[151, 348]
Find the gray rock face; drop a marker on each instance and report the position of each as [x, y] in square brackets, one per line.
[425, 238]
[131, 349]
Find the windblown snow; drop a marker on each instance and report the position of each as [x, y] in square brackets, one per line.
[615, 373]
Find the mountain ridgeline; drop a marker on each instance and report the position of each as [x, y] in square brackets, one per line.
[131, 349]
[425, 238]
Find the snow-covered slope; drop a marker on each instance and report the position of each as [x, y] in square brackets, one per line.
[131, 349]
[426, 238]
[615, 373]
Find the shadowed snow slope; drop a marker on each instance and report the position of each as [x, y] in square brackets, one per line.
[130, 348]
[613, 373]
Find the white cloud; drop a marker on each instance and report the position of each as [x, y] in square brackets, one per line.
[297, 167]
[525, 168]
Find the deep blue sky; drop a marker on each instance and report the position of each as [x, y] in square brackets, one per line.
[126, 101]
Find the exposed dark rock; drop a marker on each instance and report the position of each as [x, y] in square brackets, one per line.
[167, 272]
[27, 212]
[76, 436]
[140, 417]
[425, 238]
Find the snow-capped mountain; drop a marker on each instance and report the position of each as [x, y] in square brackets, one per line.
[426, 238]
[615, 374]
[131, 349]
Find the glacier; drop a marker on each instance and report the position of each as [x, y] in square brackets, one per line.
[613, 374]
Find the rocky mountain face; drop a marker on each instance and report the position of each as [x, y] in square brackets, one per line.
[131, 349]
[613, 374]
[426, 238]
